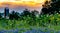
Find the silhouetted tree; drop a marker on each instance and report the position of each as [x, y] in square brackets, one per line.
[44, 10]
[0, 15]
[56, 5]
[51, 7]
[14, 15]
[46, 6]
[25, 12]
[34, 13]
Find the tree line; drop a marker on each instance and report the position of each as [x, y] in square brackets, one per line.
[49, 7]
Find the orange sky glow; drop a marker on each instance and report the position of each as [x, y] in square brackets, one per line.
[20, 5]
[15, 3]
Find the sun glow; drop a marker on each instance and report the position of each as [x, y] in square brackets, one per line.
[30, 3]
[37, 1]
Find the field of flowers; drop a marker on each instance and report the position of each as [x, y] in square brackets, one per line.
[28, 23]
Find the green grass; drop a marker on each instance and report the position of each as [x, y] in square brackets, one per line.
[27, 22]
[56, 28]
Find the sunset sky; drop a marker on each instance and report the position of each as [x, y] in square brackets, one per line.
[19, 5]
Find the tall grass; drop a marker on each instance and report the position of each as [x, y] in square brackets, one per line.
[27, 22]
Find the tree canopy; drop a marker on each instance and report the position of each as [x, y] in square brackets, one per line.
[51, 7]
